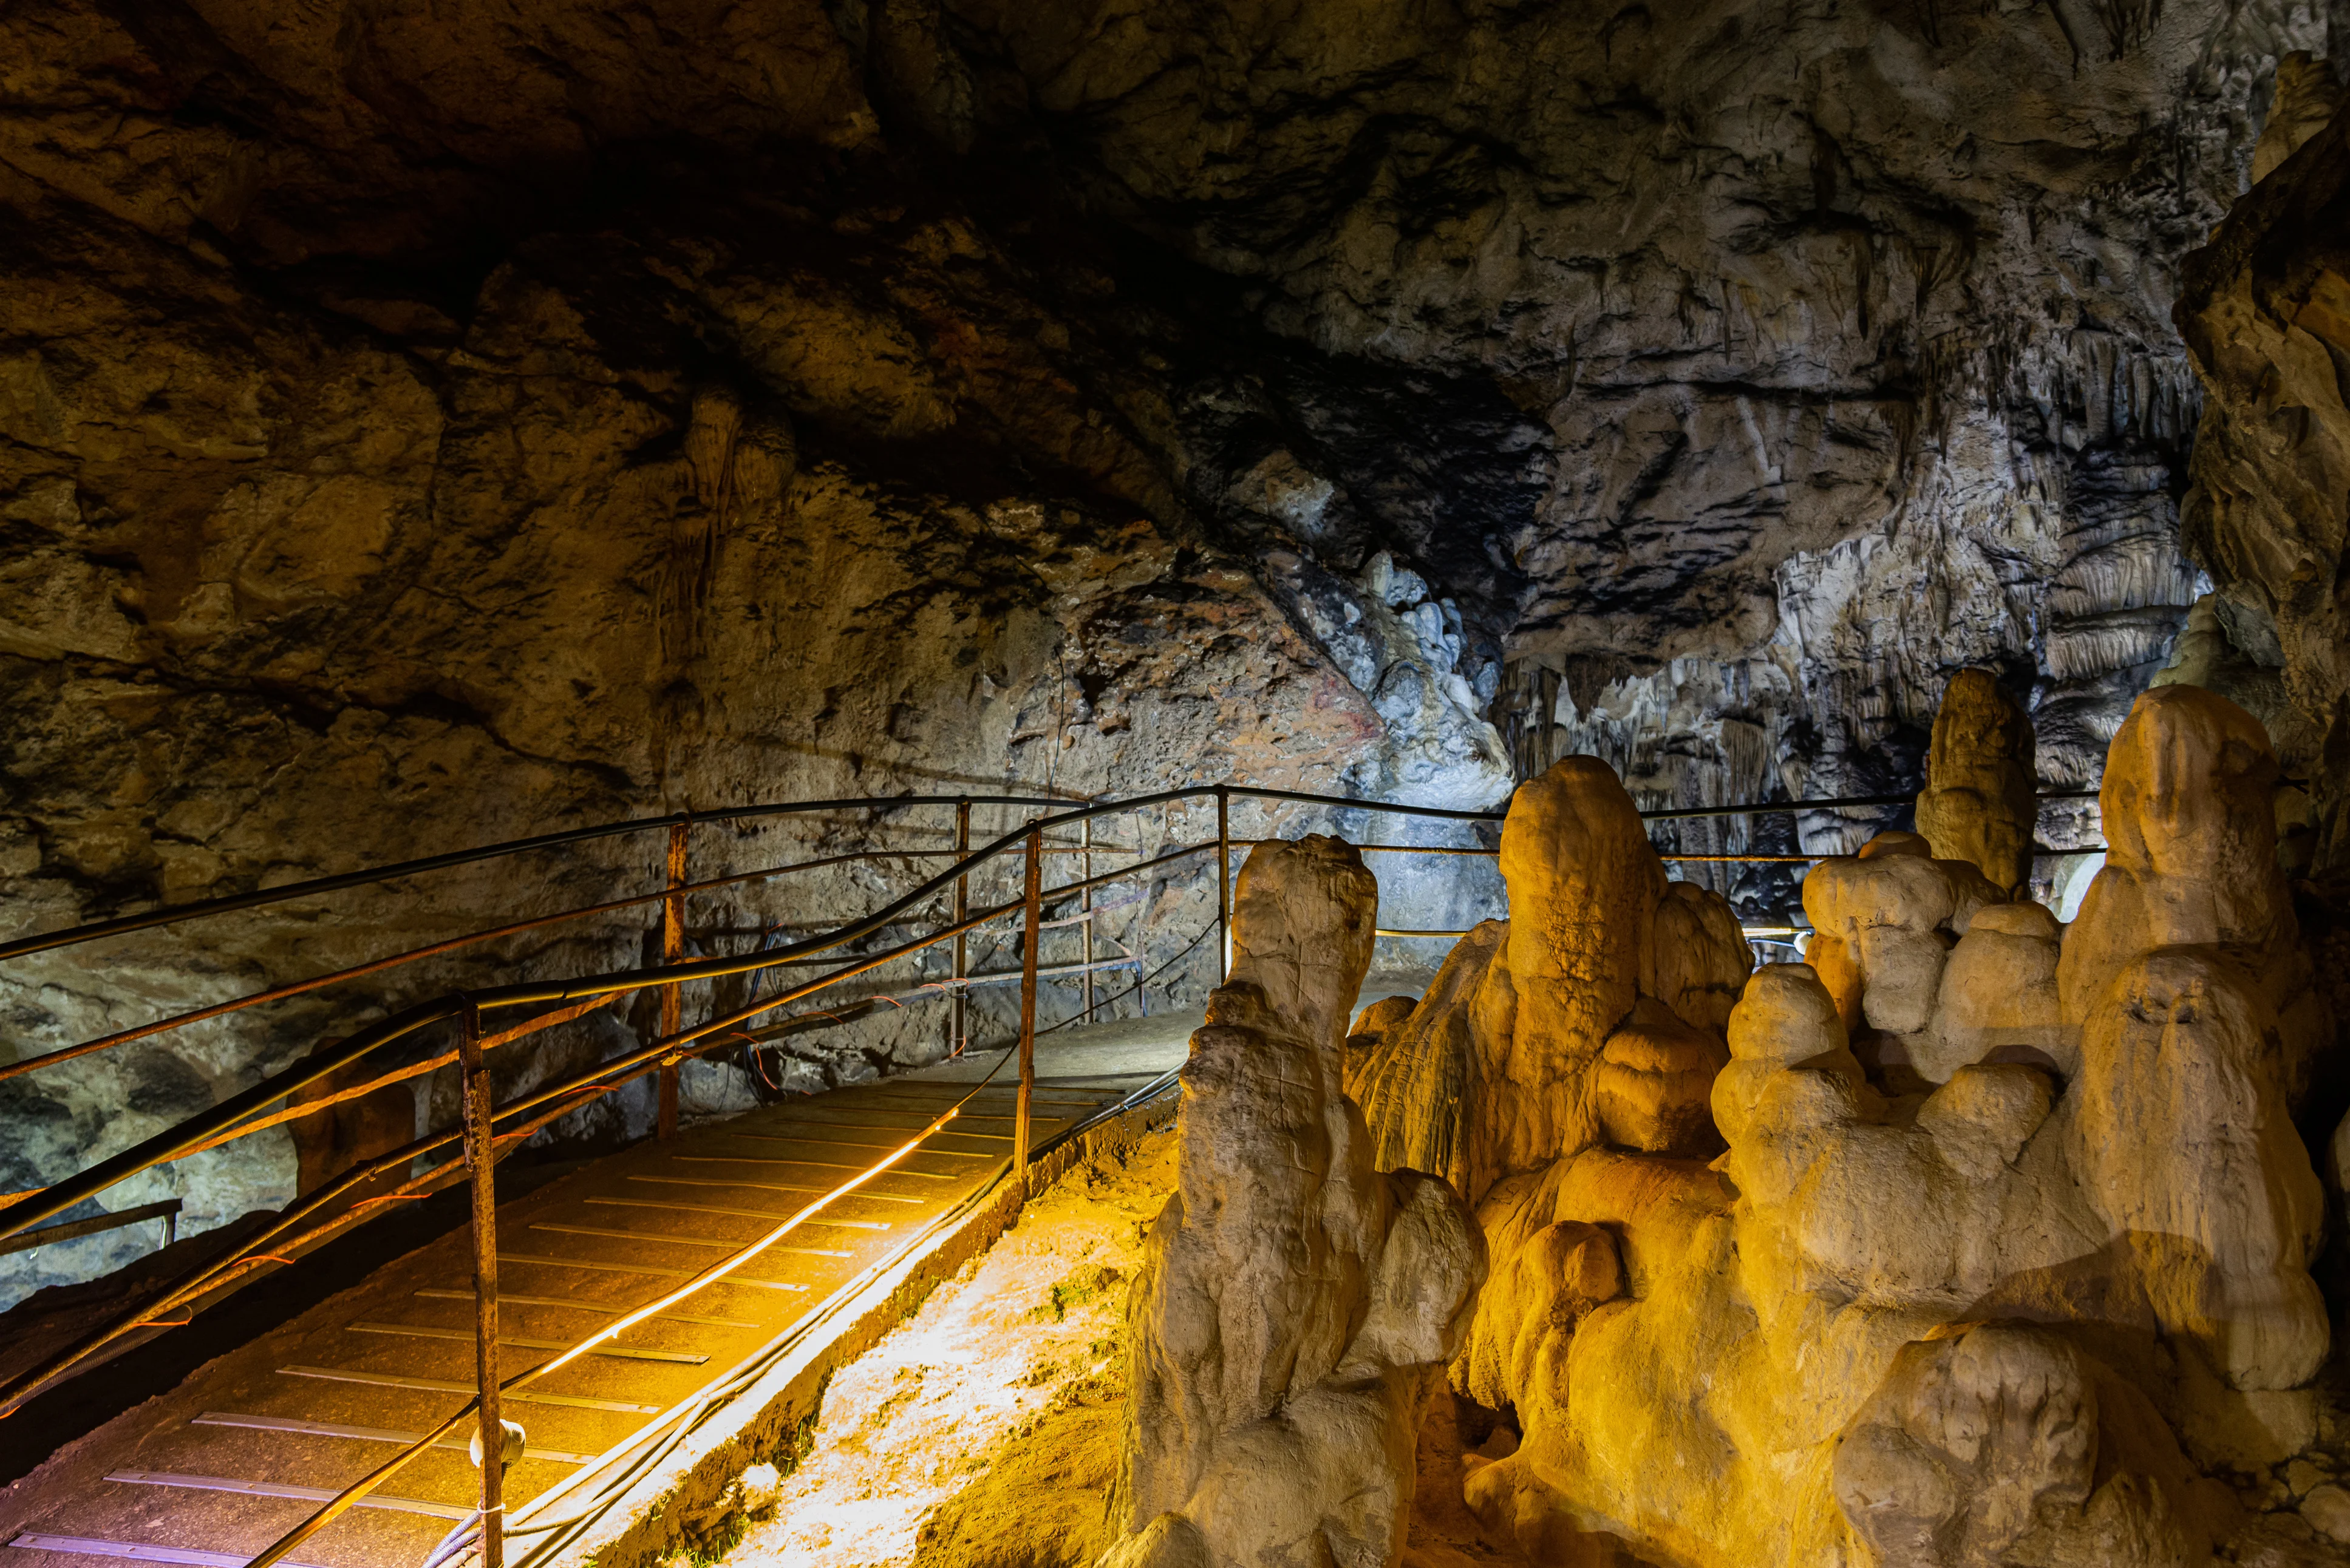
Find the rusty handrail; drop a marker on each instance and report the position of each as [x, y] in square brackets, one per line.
[176, 1142]
[315, 885]
[312, 886]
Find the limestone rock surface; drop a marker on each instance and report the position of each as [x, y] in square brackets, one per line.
[1887, 920]
[1297, 1303]
[1593, 1014]
[1998, 998]
[1584, 885]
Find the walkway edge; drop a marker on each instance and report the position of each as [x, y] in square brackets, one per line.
[690, 1498]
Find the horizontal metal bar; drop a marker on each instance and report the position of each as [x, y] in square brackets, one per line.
[1384, 848]
[315, 885]
[28, 1240]
[1741, 860]
[191, 1134]
[1383, 931]
[279, 1489]
[312, 886]
[1788, 807]
[1124, 960]
[393, 961]
[366, 1434]
[444, 1385]
[1391, 808]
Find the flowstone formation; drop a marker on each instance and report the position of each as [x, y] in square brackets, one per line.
[1296, 1305]
[2006, 1252]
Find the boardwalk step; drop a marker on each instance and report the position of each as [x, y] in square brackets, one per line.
[280, 1489]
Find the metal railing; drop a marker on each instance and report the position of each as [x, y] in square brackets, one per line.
[487, 1130]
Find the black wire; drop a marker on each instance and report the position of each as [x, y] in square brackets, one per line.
[1145, 979]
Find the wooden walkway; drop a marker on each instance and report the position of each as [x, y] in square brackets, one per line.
[213, 1471]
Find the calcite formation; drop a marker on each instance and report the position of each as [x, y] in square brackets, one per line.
[1885, 921]
[1296, 1305]
[2191, 862]
[2007, 1253]
[1593, 1015]
[1978, 805]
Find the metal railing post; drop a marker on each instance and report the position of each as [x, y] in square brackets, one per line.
[673, 1003]
[1034, 901]
[958, 1027]
[1086, 913]
[480, 1160]
[1223, 883]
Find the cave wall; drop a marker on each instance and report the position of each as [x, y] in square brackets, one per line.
[1848, 326]
[386, 480]
[423, 426]
[2266, 313]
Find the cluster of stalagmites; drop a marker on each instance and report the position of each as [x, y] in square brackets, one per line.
[1975, 1240]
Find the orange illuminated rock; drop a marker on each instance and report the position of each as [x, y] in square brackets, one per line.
[2190, 831]
[2012, 1220]
[1653, 1080]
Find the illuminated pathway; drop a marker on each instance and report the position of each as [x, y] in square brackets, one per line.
[220, 1467]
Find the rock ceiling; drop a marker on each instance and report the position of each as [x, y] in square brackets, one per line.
[425, 423]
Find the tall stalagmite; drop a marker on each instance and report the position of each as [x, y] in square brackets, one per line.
[1297, 1303]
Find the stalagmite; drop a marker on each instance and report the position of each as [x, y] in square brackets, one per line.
[1297, 1302]
[1997, 999]
[1613, 1035]
[1983, 1277]
[2190, 861]
[1416, 1081]
[1583, 885]
[1978, 805]
[1886, 920]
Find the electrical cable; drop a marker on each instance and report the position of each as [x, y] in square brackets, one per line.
[1138, 985]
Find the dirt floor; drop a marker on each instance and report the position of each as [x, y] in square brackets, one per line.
[1011, 1380]
[984, 1432]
